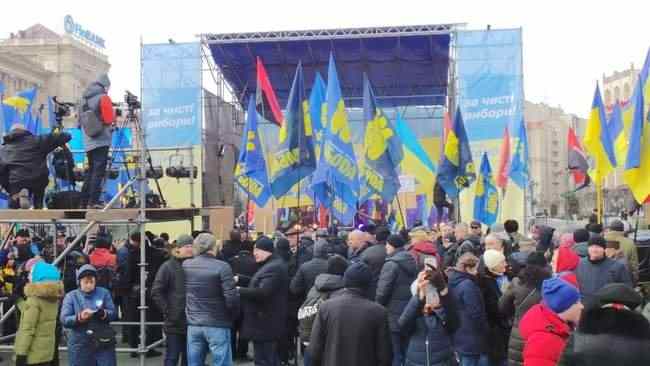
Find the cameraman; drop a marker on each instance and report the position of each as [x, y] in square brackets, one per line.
[96, 99]
[24, 157]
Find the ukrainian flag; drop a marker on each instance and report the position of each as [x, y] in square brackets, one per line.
[416, 162]
[620, 135]
[628, 114]
[486, 199]
[598, 141]
[637, 165]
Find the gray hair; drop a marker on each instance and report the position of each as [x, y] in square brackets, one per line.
[205, 242]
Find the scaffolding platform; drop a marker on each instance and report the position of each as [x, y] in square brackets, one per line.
[111, 215]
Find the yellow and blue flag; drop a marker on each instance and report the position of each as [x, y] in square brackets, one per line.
[457, 169]
[335, 183]
[382, 150]
[628, 114]
[519, 163]
[23, 100]
[416, 161]
[598, 141]
[618, 133]
[294, 157]
[317, 109]
[250, 171]
[637, 165]
[486, 198]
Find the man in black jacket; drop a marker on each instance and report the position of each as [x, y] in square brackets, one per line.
[243, 267]
[212, 302]
[394, 290]
[265, 304]
[304, 279]
[350, 329]
[168, 293]
[24, 157]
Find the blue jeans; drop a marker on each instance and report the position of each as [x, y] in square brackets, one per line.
[266, 353]
[176, 350]
[217, 340]
[399, 344]
[473, 360]
[306, 357]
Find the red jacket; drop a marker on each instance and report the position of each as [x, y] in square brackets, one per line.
[101, 257]
[545, 336]
[567, 262]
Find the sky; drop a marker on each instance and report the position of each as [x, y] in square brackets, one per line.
[568, 45]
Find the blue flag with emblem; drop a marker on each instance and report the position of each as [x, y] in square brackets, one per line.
[250, 172]
[486, 198]
[317, 109]
[456, 169]
[519, 164]
[335, 183]
[382, 150]
[294, 157]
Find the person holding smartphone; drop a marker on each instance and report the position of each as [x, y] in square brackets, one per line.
[428, 320]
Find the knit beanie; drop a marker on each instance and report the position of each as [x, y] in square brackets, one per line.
[357, 275]
[559, 295]
[44, 272]
[265, 244]
[492, 258]
[598, 241]
[336, 265]
[396, 241]
[581, 236]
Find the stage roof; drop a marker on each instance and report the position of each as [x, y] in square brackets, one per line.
[407, 65]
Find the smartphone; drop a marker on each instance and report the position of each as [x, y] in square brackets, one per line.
[432, 296]
[431, 261]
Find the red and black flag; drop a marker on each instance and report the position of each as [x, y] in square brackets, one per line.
[265, 100]
[578, 164]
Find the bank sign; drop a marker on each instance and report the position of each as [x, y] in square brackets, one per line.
[78, 31]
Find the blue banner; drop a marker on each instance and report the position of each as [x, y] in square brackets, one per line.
[171, 101]
[490, 81]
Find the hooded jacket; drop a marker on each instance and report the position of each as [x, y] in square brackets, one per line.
[566, 264]
[80, 345]
[545, 241]
[36, 333]
[629, 250]
[304, 279]
[545, 336]
[394, 285]
[326, 284]
[25, 155]
[470, 336]
[91, 98]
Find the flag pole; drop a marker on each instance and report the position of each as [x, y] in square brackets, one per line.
[599, 198]
[399, 207]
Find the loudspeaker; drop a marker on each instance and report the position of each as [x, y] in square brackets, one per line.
[64, 200]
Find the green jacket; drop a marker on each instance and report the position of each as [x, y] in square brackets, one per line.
[35, 336]
[629, 250]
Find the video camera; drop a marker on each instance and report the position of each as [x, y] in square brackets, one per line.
[62, 110]
[132, 101]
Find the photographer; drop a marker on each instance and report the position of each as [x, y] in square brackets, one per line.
[24, 157]
[96, 119]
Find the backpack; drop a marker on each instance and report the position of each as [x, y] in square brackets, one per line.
[105, 276]
[90, 123]
[307, 314]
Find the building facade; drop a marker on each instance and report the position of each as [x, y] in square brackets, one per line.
[547, 134]
[57, 64]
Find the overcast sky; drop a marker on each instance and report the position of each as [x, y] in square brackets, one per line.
[568, 45]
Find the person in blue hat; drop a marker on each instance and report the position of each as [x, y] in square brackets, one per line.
[35, 339]
[87, 312]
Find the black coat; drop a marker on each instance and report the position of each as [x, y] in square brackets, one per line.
[470, 336]
[265, 302]
[243, 266]
[168, 292]
[351, 330]
[374, 257]
[25, 155]
[212, 299]
[230, 249]
[304, 278]
[498, 323]
[394, 285]
[609, 337]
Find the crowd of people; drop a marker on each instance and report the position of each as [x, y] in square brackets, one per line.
[449, 295]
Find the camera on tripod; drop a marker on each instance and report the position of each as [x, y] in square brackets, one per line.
[62, 110]
[132, 101]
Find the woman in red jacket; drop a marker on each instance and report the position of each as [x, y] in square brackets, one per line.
[546, 326]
